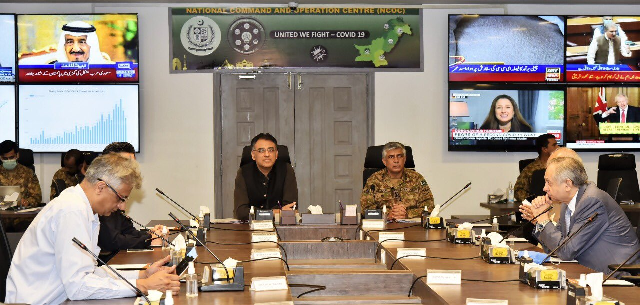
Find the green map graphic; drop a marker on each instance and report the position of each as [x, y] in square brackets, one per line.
[379, 46]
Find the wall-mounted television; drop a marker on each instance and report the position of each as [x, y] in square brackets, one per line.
[77, 48]
[603, 49]
[494, 118]
[8, 49]
[506, 48]
[596, 119]
[56, 118]
[7, 112]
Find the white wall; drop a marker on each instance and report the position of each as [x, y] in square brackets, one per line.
[177, 153]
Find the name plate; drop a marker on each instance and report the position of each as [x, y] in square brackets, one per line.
[373, 224]
[272, 253]
[262, 225]
[269, 283]
[402, 252]
[446, 277]
[499, 252]
[471, 301]
[264, 236]
[390, 235]
[462, 233]
[435, 220]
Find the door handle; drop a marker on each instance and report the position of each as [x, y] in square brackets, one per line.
[299, 82]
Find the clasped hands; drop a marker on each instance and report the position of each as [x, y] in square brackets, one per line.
[537, 206]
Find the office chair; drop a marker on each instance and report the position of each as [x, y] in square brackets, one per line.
[373, 161]
[613, 166]
[5, 261]
[524, 162]
[613, 186]
[26, 158]
[283, 154]
[59, 185]
[536, 187]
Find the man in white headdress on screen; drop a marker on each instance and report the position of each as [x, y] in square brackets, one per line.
[79, 43]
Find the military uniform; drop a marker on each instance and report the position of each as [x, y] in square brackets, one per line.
[62, 174]
[412, 191]
[26, 179]
[521, 189]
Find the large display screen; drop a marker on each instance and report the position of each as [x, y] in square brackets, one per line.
[603, 118]
[603, 49]
[78, 48]
[7, 112]
[56, 118]
[8, 49]
[485, 48]
[504, 119]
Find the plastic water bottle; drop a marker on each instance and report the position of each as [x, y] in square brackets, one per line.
[192, 281]
[494, 224]
[510, 195]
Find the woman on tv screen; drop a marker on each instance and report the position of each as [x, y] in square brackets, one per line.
[505, 115]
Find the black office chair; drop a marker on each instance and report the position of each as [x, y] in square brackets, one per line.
[283, 154]
[613, 166]
[613, 187]
[373, 161]
[5, 261]
[26, 158]
[524, 162]
[537, 183]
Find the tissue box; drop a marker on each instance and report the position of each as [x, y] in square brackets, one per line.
[493, 198]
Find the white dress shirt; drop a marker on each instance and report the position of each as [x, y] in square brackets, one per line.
[48, 268]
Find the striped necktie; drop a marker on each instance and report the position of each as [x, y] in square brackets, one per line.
[567, 221]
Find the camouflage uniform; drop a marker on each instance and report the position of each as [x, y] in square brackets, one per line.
[412, 191]
[63, 174]
[26, 179]
[521, 189]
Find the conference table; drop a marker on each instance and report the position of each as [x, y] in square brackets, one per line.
[357, 270]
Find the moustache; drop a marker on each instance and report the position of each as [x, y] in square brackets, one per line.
[77, 52]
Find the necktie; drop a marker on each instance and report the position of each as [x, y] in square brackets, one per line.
[623, 118]
[567, 221]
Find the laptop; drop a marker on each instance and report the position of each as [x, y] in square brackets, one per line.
[9, 196]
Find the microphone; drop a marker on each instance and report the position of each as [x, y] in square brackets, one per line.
[200, 242]
[131, 219]
[454, 195]
[174, 202]
[492, 217]
[589, 220]
[523, 224]
[83, 247]
[619, 266]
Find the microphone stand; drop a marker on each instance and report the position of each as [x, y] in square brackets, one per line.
[499, 216]
[589, 220]
[159, 236]
[174, 202]
[454, 195]
[619, 266]
[83, 247]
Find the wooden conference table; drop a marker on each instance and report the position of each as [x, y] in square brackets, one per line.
[364, 280]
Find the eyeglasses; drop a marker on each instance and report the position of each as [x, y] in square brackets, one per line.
[264, 150]
[121, 198]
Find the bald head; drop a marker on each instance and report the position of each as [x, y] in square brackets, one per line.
[563, 152]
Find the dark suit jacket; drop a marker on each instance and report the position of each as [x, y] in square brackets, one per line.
[609, 239]
[633, 116]
[118, 233]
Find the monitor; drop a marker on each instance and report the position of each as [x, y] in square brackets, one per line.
[56, 118]
[8, 50]
[7, 112]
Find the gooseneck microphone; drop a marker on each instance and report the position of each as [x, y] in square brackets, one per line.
[619, 266]
[584, 225]
[492, 217]
[83, 247]
[200, 242]
[139, 224]
[523, 224]
[174, 202]
[454, 195]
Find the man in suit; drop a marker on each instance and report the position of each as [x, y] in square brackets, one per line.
[609, 239]
[623, 114]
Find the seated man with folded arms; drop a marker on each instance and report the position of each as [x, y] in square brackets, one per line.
[49, 268]
[403, 191]
[545, 145]
[268, 183]
[14, 174]
[71, 173]
[117, 232]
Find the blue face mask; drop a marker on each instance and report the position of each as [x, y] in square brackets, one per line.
[10, 164]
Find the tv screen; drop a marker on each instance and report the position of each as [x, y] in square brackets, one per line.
[7, 113]
[78, 48]
[56, 118]
[603, 118]
[8, 49]
[490, 48]
[496, 119]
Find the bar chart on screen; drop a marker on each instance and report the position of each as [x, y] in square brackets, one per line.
[86, 117]
[7, 113]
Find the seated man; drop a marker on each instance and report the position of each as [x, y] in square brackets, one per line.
[48, 268]
[403, 191]
[70, 173]
[267, 183]
[117, 232]
[12, 173]
[545, 145]
[610, 239]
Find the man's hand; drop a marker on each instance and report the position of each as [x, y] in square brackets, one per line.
[155, 233]
[288, 207]
[538, 206]
[611, 110]
[161, 280]
[398, 211]
[156, 267]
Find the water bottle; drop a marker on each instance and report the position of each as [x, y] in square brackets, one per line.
[192, 281]
[510, 197]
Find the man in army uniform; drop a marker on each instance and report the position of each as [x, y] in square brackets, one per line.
[12, 174]
[545, 145]
[404, 192]
[70, 173]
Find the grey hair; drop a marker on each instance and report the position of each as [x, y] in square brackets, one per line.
[115, 170]
[390, 146]
[609, 24]
[564, 152]
[569, 168]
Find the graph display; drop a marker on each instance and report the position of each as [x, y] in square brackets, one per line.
[7, 113]
[85, 117]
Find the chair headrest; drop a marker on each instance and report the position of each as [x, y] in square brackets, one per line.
[283, 154]
[373, 159]
[26, 157]
[617, 162]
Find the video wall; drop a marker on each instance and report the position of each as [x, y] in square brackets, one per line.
[69, 81]
[514, 77]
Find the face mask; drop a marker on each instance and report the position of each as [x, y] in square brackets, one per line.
[9, 164]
